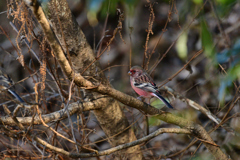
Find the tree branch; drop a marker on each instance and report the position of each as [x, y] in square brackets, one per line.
[117, 148]
[73, 108]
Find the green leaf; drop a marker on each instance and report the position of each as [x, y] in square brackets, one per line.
[197, 1]
[181, 46]
[207, 41]
[226, 2]
[226, 83]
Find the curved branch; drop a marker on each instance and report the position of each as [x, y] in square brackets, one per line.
[117, 148]
[193, 104]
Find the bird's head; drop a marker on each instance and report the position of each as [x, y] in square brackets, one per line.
[135, 71]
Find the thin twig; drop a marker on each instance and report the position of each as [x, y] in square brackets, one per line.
[185, 66]
[13, 118]
[35, 55]
[155, 65]
[117, 148]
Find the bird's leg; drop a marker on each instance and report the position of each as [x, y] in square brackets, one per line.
[140, 98]
[149, 101]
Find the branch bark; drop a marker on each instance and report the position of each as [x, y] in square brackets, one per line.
[72, 108]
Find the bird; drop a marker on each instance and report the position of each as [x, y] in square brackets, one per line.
[6, 83]
[144, 85]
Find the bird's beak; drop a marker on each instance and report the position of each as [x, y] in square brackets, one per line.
[129, 73]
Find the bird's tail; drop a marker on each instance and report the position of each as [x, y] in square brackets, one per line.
[16, 95]
[156, 94]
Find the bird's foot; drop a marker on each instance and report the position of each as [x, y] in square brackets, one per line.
[140, 98]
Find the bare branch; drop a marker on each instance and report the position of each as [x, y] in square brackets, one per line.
[117, 148]
[13, 118]
[193, 105]
[73, 108]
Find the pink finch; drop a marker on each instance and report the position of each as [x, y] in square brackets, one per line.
[143, 84]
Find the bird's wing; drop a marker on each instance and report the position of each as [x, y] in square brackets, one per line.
[145, 83]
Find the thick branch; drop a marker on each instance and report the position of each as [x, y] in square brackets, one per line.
[73, 108]
[193, 105]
